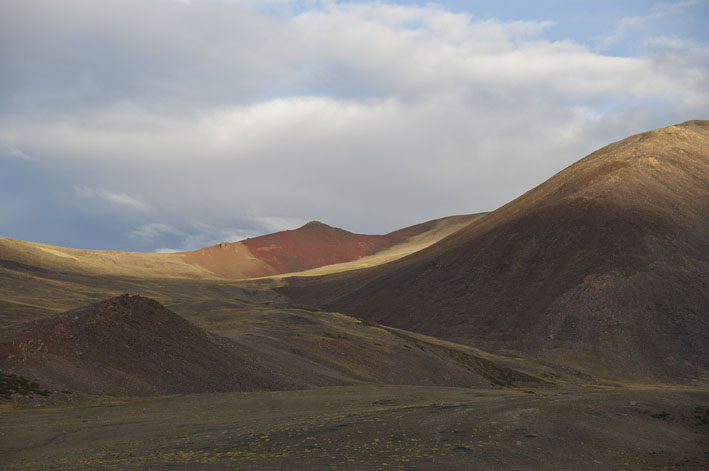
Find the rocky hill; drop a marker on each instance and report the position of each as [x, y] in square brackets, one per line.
[604, 267]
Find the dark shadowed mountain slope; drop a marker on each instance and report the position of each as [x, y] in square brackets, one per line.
[131, 345]
[604, 266]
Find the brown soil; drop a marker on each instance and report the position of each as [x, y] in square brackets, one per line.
[130, 345]
[605, 266]
[369, 428]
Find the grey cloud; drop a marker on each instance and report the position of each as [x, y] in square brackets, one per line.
[232, 122]
[12, 151]
[153, 230]
[198, 234]
[120, 200]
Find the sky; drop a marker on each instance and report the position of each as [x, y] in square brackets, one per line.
[166, 125]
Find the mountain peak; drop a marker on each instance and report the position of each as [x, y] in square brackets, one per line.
[314, 224]
[130, 345]
[558, 263]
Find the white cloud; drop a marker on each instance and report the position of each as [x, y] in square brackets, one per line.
[167, 250]
[367, 116]
[121, 200]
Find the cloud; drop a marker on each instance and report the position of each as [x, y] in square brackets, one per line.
[659, 13]
[199, 234]
[277, 224]
[7, 149]
[166, 250]
[153, 230]
[196, 234]
[235, 118]
[120, 200]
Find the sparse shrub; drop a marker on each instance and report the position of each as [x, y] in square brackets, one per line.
[14, 384]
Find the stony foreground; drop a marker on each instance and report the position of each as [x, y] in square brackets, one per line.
[368, 427]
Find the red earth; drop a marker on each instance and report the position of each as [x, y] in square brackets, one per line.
[311, 246]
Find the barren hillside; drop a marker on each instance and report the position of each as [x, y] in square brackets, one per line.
[604, 267]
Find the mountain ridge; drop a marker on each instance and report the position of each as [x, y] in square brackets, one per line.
[605, 264]
[311, 246]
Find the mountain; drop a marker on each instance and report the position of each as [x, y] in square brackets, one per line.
[134, 346]
[604, 267]
[311, 246]
[130, 345]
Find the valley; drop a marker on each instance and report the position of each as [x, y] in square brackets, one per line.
[564, 330]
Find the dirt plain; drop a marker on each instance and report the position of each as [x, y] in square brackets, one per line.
[368, 427]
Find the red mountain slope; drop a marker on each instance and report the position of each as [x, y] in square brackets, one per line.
[311, 246]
